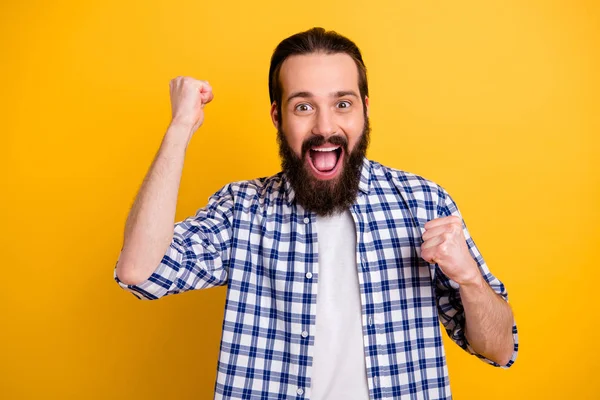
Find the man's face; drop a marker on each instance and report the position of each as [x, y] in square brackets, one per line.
[322, 130]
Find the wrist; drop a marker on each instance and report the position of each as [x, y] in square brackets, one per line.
[178, 134]
[474, 282]
[181, 125]
[471, 276]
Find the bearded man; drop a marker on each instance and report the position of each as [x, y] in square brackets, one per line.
[338, 269]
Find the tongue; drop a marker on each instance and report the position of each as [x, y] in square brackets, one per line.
[324, 160]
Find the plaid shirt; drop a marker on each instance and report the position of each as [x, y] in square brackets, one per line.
[255, 239]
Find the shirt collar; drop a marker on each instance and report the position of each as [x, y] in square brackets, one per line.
[364, 184]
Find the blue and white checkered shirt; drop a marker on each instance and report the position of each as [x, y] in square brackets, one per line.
[255, 239]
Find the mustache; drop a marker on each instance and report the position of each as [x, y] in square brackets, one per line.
[319, 140]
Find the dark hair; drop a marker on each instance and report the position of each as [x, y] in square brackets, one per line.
[314, 40]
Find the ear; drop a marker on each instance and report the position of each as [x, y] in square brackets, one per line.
[275, 116]
[367, 105]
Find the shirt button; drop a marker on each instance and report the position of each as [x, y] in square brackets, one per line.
[300, 391]
[375, 381]
[306, 220]
[309, 275]
[370, 321]
[304, 334]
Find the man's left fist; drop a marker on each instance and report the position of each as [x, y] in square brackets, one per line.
[444, 244]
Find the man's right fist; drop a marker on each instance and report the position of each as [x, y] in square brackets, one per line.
[188, 98]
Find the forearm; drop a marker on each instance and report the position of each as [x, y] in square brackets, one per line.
[149, 226]
[489, 321]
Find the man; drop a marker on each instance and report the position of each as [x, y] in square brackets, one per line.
[338, 269]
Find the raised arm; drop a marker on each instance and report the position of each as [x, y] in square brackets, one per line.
[149, 225]
[470, 308]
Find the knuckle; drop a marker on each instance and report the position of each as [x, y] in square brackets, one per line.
[443, 248]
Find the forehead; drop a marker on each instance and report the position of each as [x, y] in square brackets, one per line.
[318, 73]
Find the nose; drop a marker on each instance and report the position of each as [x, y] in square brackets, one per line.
[324, 124]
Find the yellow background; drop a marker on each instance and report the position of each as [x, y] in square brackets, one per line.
[495, 101]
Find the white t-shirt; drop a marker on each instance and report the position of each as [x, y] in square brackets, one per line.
[339, 370]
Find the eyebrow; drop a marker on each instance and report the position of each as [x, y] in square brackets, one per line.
[339, 93]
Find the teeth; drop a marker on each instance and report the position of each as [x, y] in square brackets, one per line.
[328, 149]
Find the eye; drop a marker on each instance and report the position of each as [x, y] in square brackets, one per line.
[344, 104]
[303, 107]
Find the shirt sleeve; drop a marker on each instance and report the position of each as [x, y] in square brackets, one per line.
[198, 255]
[451, 310]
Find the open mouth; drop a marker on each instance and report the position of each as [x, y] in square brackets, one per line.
[325, 160]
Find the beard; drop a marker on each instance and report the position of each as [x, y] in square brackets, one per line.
[324, 197]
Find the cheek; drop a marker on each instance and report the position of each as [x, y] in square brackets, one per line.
[354, 129]
[295, 134]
